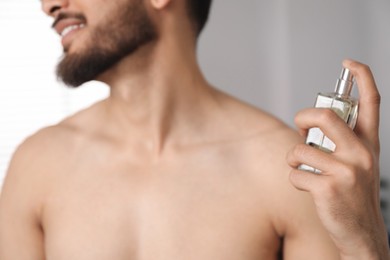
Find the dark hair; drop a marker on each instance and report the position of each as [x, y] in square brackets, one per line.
[199, 12]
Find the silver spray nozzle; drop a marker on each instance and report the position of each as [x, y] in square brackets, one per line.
[345, 83]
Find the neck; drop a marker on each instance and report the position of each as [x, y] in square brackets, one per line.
[158, 95]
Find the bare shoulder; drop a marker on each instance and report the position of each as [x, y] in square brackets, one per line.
[31, 161]
[36, 165]
[25, 190]
[264, 144]
[49, 146]
[293, 212]
[255, 122]
[265, 139]
[68, 132]
[44, 144]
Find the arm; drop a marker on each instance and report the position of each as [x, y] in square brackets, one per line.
[21, 236]
[346, 193]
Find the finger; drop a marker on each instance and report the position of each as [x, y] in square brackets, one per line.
[306, 181]
[329, 123]
[307, 155]
[369, 101]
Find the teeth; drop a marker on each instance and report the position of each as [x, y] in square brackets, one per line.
[71, 28]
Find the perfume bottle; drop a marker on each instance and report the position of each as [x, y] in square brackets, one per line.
[345, 106]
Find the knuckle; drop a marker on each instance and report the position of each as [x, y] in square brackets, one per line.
[352, 178]
[364, 157]
[349, 173]
[327, 115]
[359, 66]
[300, 151]
[367, 160]
[295, 178]
[364, 67]
[298, 116]
[376, 99]
[329, 189]
[290, 157]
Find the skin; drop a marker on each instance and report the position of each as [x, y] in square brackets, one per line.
[168, 167]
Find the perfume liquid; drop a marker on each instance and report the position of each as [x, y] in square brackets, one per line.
[345, 106]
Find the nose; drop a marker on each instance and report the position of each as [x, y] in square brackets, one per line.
[53, 7]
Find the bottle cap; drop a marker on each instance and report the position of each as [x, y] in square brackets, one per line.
[345, 83]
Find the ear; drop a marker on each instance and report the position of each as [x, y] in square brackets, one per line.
[159, 4]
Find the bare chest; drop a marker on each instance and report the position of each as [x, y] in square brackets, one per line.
[150, 214]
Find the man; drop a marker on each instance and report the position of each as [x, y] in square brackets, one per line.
[168, 167]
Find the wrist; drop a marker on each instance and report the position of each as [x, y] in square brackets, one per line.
[367, 257]
[372, 246]
[376, 252]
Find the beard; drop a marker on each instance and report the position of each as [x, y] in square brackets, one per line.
[127, 30]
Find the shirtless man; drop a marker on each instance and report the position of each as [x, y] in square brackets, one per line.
[168, 167]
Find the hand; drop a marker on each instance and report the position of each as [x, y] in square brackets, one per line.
[346, 193]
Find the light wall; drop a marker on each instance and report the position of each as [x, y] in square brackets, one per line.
[30, 96]
[278, 54]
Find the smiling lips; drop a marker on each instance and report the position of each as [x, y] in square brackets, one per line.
[71, 28]
[67, 27]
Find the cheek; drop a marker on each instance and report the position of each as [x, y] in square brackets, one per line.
[101, 10]
[94, 10]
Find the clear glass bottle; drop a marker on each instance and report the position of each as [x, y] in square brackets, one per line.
[345, 106]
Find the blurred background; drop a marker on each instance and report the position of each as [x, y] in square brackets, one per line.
[274, 54]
